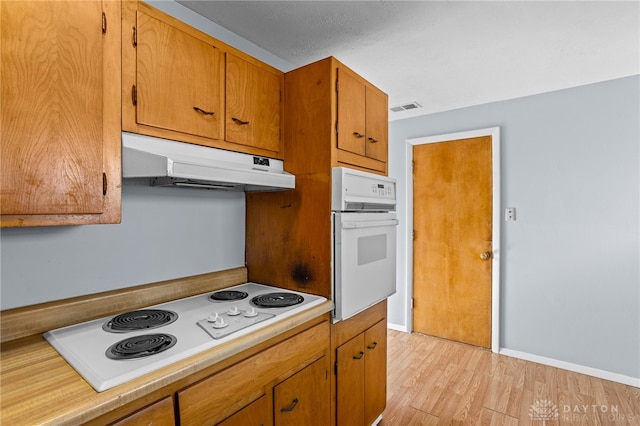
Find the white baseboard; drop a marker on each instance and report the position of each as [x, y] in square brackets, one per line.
[397, 327]
[602, 374]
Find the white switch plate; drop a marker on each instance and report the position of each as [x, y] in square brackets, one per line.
[510, 214]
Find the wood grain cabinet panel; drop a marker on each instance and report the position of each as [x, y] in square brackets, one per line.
[377, 124]
[253, 104]
[303, 399]
[226, 393]
[361, 373]
[351, 113]
[178, 80]
[159, 414]
[375, 371]
[362, 127]
[60, 120]
[258, 413]
[181, 84]
[289, 233]
[350, 382]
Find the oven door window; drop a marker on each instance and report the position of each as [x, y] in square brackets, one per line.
[372, 248]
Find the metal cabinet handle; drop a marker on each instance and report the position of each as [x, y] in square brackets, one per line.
[291, 407]
[358, 135]
[359, 356]
[203, 112]
[238, 121]
[372, 140]
[373, 345]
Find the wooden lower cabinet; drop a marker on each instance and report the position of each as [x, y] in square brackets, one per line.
[361, 367]
[303, 399]
[248, 393]
[375, 371]
[350, 371]
[158, 414]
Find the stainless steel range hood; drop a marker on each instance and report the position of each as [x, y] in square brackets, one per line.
[169, 163]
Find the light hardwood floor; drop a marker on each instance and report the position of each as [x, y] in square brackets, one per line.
[434, 381]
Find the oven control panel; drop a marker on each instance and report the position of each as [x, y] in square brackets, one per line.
[354, 190]
[382, 190]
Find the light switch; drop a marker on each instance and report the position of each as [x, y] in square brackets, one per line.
[510, 214]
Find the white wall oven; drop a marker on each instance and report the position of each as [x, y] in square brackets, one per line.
[364, 240]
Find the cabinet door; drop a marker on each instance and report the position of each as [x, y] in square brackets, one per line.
[303, 399]
[350, 382]
[158, 414]
[60, 119]
[253, 104]
[375, 391]
[178, 80]
[258, 413]
[377, 122]
[351, 113]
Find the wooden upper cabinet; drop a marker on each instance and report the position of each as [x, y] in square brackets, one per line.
[377, 124]
[60, 113]
[253, 104]
[362, 124]
[181, 84]
[177, 80]
[351, 113]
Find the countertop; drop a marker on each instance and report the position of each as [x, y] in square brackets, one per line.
[37, 386]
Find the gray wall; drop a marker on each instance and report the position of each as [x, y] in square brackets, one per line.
[570, 272]
[165, 233]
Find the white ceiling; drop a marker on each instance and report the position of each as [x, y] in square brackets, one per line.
[446, 54]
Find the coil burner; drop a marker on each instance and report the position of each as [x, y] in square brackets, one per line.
[277, 300]
[144, 319]
[228, 295]
[141, 346]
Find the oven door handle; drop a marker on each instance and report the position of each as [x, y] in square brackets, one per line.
[369, 224]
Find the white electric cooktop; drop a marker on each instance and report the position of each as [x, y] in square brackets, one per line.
[200, 324]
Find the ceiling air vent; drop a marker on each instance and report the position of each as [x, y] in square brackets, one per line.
[405, 107]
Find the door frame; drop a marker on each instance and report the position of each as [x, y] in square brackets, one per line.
[494, 132]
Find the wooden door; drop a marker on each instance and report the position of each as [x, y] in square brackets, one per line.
[303, 399]
[375, 349]
[350, 382]
[351, 113]
[52, 108]
[178, 80]
[253, 104]
[452, 216]
[377, 124]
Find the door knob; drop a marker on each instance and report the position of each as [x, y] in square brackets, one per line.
[485, 255]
